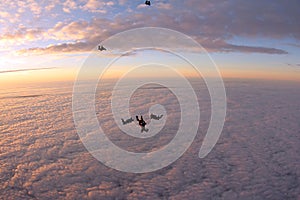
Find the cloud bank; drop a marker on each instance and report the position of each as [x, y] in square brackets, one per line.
[256, 157]
[212, 23]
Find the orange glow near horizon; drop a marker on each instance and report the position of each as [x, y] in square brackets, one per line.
[13, 79]
[260, 74]
[69, 74]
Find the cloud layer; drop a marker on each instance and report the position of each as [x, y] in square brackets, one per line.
[257, 155]
[213, 24]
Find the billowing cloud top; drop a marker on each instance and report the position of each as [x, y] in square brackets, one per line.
[39, 27]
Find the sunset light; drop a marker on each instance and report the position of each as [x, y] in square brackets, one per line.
[149, 99]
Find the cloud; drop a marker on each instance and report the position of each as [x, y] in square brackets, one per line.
[294, 45]
[42, 157]
[165, 6]
[293, 65]
[23, 33]
[34, 7]
[86, 35]
[21, 36]
[69, 31]
[22, 70]
[208, 21]
[110, 3]
[69, 5]
[4, 14]
[141, 6]
[122, 2]
[58, 48]
[251, 49]
[255, 18]
[97, 6]
[21, 96]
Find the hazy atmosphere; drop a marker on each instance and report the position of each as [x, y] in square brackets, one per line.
[160, 99]
[257, 39]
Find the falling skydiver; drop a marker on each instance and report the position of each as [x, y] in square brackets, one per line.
[142, 124]
[127, 121]
[148, 3]
[156, 117]
[101, 48]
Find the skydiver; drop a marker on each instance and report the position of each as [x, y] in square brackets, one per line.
[156, 117]
[101, 48]
[142, 124]
[127, 121]
[148, 3]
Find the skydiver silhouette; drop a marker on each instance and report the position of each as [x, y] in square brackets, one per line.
[101, 48]
[148, 3]
[127, 121]
[142, 124]
[156, 117]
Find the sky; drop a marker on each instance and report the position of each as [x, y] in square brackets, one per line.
[256, 39]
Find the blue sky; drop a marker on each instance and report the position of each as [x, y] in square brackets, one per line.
[239, 35]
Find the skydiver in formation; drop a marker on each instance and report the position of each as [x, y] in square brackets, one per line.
[142, 124]
[127, 121]
[141, 121]
[156, 117]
